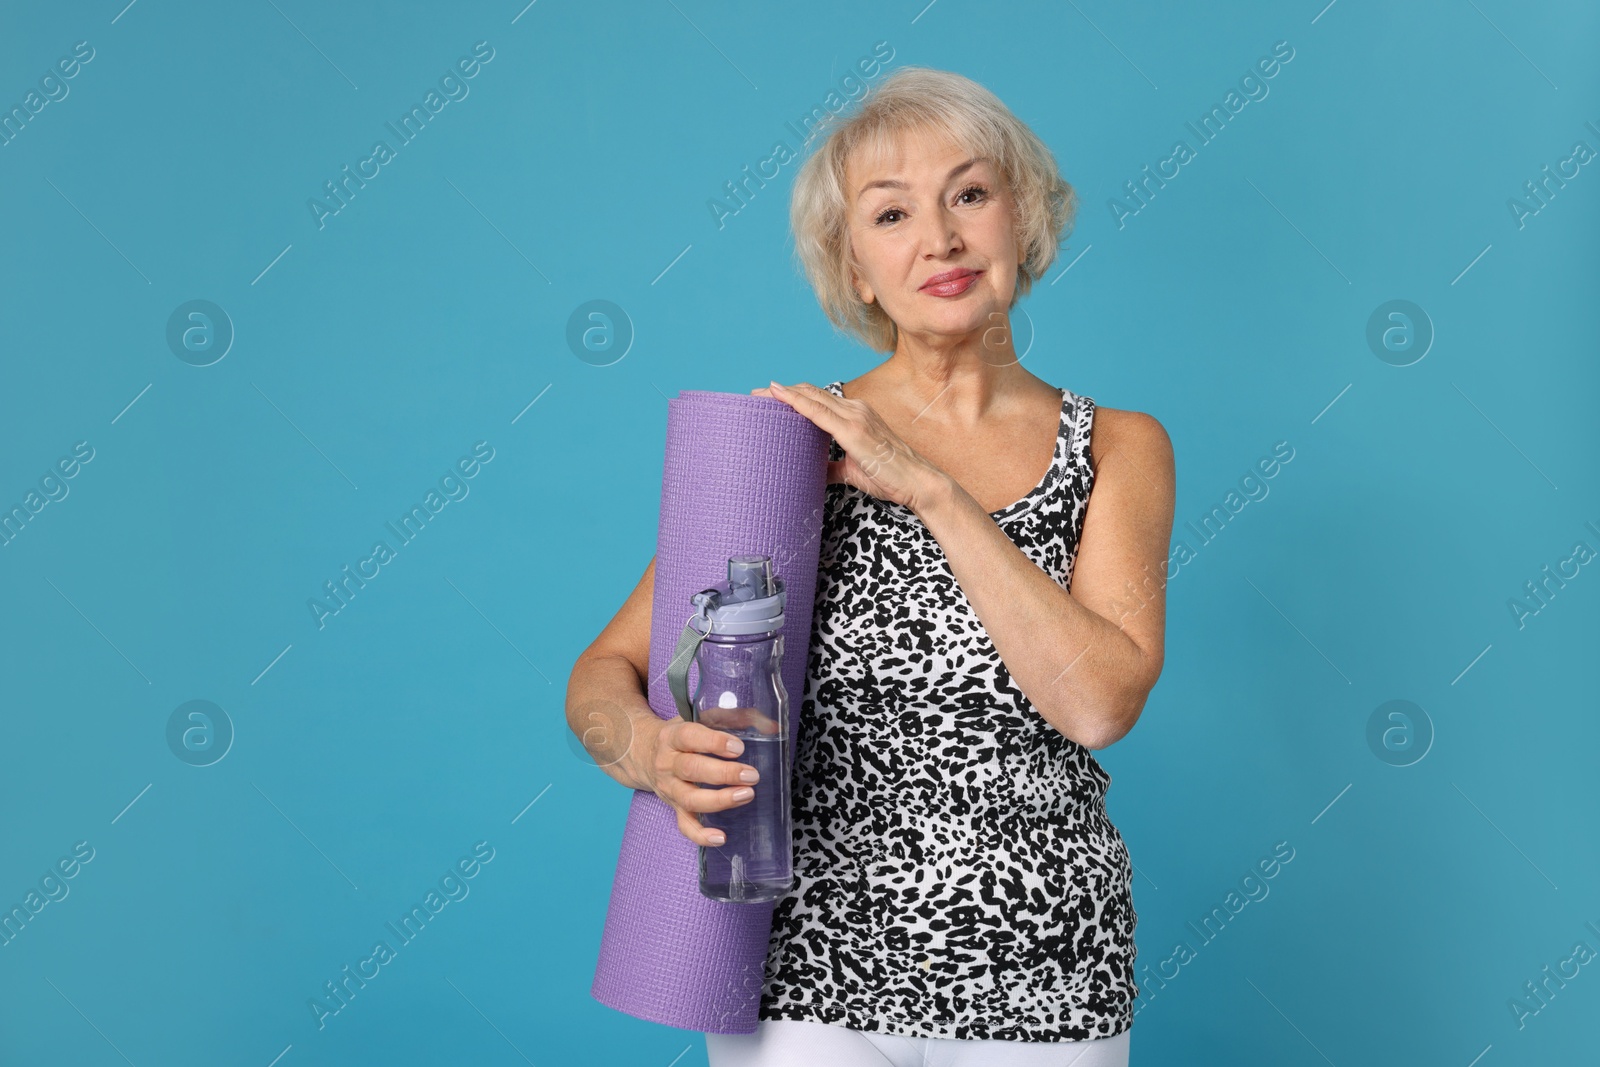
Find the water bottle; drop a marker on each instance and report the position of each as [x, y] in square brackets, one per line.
[735, 637]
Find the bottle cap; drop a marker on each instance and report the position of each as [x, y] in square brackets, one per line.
[749, 602]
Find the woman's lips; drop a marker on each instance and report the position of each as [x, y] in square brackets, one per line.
[954, 287]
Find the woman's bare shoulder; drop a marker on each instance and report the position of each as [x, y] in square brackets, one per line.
[1139, 435]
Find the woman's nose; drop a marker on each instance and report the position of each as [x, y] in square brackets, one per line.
[940, 234]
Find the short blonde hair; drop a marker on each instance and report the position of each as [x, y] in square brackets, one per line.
[918, 99]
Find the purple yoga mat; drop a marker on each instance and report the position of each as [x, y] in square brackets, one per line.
[743, 474]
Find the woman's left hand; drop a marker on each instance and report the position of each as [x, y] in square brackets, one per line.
[876, 460]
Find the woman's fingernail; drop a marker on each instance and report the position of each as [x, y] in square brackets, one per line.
[743, 793]
[778, 387]
[717, 839]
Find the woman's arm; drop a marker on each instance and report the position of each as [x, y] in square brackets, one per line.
[1086, 659]
[608, 707]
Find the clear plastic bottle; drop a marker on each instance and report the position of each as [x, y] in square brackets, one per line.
[740, 690]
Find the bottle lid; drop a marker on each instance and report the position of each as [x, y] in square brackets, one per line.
[749, 602]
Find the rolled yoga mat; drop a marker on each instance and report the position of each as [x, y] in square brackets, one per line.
[743, 474]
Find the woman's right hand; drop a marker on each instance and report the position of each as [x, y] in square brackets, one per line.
[689, 753]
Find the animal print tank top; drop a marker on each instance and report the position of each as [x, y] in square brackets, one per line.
[955, 872]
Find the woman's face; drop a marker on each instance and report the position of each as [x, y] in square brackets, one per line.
[925, 210]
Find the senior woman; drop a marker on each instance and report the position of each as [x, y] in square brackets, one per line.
[982, 622]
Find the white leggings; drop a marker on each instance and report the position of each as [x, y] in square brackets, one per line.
[797, 1043]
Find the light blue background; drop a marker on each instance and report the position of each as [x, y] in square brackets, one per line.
[371, 754]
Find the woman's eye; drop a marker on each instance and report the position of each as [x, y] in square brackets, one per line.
[979, 192]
